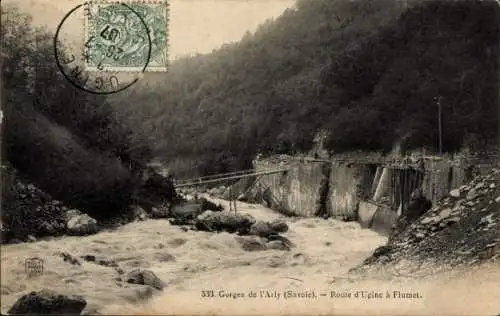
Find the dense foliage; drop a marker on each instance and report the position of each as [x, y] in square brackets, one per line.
[370, 72]
[387, 88]
[66, 141]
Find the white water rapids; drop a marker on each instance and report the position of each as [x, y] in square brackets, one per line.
[325, 250]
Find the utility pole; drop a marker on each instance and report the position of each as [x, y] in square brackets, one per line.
[440, 125]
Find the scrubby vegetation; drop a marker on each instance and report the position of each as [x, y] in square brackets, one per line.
[69, 143]
[370, 72]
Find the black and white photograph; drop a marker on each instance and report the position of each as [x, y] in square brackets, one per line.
[250, 157]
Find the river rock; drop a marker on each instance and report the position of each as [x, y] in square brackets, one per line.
[279, 226]
[207, 205]
[164, 257]
[145, 277]
[72, 213]
[455, 193]
[81, 224]
[51, 228]
[277, 245]
[380, 251]
[138, 213]
[472, 195]
[70, 259]
[187, 211]
[90, 258]
[454, 219]
[282, 239]
[251, 243]
[48, 302]
[261, 229]
[445, 213]
[427, 220]
[224, 221]
[106, 263]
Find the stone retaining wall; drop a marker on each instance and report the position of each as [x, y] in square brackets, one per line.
[343, 189]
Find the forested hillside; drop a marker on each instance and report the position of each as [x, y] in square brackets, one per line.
[67, 142]
[370, 72]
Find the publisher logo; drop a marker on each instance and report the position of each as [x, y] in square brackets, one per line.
[33, 266]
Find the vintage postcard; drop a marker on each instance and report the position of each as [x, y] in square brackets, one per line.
[232, 157]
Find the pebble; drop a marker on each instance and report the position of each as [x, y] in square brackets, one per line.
[455, 193]
[454, 219]
[445, 213]
[419, 235]
[427, 220]
[472, 195]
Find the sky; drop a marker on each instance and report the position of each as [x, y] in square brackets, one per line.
[196, 26]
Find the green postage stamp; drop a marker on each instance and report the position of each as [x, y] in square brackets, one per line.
[126, 36]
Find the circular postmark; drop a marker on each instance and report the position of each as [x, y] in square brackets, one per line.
[111, 54]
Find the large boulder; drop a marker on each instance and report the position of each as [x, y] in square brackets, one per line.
[224, 221]
[145, 277]
[186, 211]
[207, 205]
[48, 302]
[279, 226]
[80, 224]
[138, 213]
[261, 229]
[72, 213]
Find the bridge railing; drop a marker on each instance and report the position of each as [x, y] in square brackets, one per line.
[225, 177]
[215, 176]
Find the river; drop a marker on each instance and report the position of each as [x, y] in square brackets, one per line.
[194, 263]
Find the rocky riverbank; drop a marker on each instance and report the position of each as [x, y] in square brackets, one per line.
[28, 213]
[462, 230]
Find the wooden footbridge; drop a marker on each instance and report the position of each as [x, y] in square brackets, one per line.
[225, 177]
